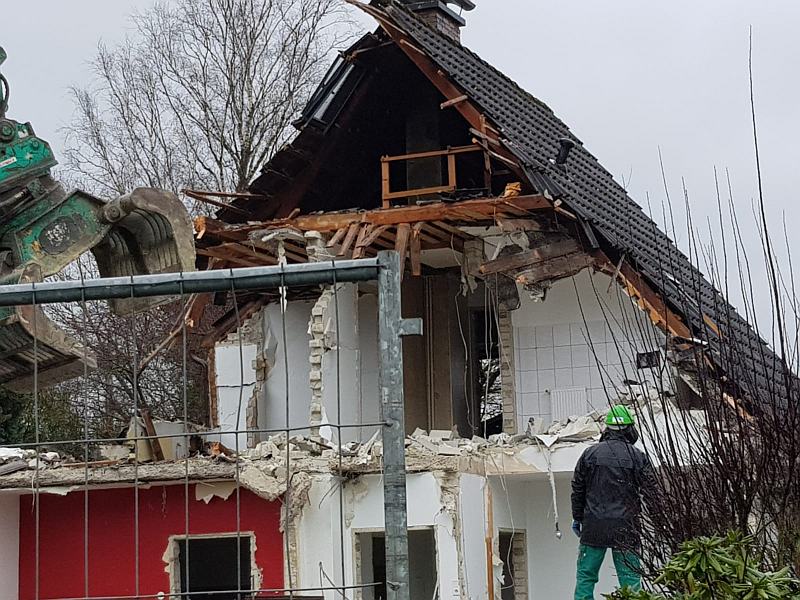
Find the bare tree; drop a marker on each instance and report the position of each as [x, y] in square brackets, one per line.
[202, 93]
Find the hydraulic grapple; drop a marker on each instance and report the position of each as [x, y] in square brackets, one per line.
[43, 229]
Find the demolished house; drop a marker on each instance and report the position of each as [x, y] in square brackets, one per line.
[546, 294]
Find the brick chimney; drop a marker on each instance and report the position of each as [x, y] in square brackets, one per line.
[439, 15]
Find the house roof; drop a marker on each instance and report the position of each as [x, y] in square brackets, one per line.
[533, 134]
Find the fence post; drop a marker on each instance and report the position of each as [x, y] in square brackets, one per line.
[392, 327]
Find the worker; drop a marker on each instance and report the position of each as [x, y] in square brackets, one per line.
[607, 488]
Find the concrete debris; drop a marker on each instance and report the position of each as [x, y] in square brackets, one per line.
[13, 454]
[263, 468]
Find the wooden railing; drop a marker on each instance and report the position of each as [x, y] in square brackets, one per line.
[388, 195]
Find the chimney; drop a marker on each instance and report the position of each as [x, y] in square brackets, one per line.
[439, 15]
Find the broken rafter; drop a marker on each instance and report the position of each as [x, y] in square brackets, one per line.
[556, 268]
[208, 198]
[352, 232]
[529, 258]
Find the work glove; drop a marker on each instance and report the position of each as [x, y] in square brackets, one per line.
[576, 528]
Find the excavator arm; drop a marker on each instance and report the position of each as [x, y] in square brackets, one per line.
[44, 228]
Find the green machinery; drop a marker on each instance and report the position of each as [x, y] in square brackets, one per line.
[43, 229]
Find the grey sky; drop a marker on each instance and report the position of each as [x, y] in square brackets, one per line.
[627, 76]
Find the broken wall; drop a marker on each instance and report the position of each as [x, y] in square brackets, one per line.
[574, 350]
[318, 542]
[236, 378]
[9, 546]
[272, 410]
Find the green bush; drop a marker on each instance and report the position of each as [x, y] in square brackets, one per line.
[717, 568]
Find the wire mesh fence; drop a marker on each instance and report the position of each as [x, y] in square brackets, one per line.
[115, 503]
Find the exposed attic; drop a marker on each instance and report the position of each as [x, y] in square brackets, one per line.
[375, 110]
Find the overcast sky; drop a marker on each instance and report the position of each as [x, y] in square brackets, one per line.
[627, 76]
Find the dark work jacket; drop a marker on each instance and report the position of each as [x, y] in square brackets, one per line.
[607, 489]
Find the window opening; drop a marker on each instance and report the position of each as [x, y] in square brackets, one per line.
[487, 382]
[212, 567]
[648, 360]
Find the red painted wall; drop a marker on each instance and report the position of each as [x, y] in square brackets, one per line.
[111, 539]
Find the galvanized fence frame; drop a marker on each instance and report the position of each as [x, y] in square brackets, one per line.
[385, 269]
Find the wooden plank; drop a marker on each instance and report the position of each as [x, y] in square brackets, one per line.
[510, 225]
[349, 239]
[227, 257]
[416, 250]
[150, 429]
[530, 257]
[452, 178]
[337, 237]
[419, 192]
[556, 268]
[433, 153]
[363, 234]
[199, 197]
[375, 234]
[440, 211]
[386, 187]
[401, 243]
[453, 101]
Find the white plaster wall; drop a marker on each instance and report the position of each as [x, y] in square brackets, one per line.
[369, 401]
[236, 378]
[583, 338]
[528, 505]
[350, 367]
[473, 532]
[318, 528]
[318, 539]
[9, 546]
[272, 405]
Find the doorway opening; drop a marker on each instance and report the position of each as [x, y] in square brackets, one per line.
[371, 564]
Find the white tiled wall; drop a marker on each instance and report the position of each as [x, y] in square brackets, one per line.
[571, 346]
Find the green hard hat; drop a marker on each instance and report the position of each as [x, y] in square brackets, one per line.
[620, 416]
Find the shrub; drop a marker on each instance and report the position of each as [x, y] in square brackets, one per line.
[717, 568]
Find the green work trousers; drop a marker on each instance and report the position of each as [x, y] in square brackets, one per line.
[589, 561]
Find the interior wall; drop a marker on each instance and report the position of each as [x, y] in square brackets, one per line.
[272, 405]
[528, 505]
[579, 345]
[369, 409]
[236, 381]
[9, 546]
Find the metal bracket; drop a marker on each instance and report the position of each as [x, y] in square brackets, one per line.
[410, 327]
